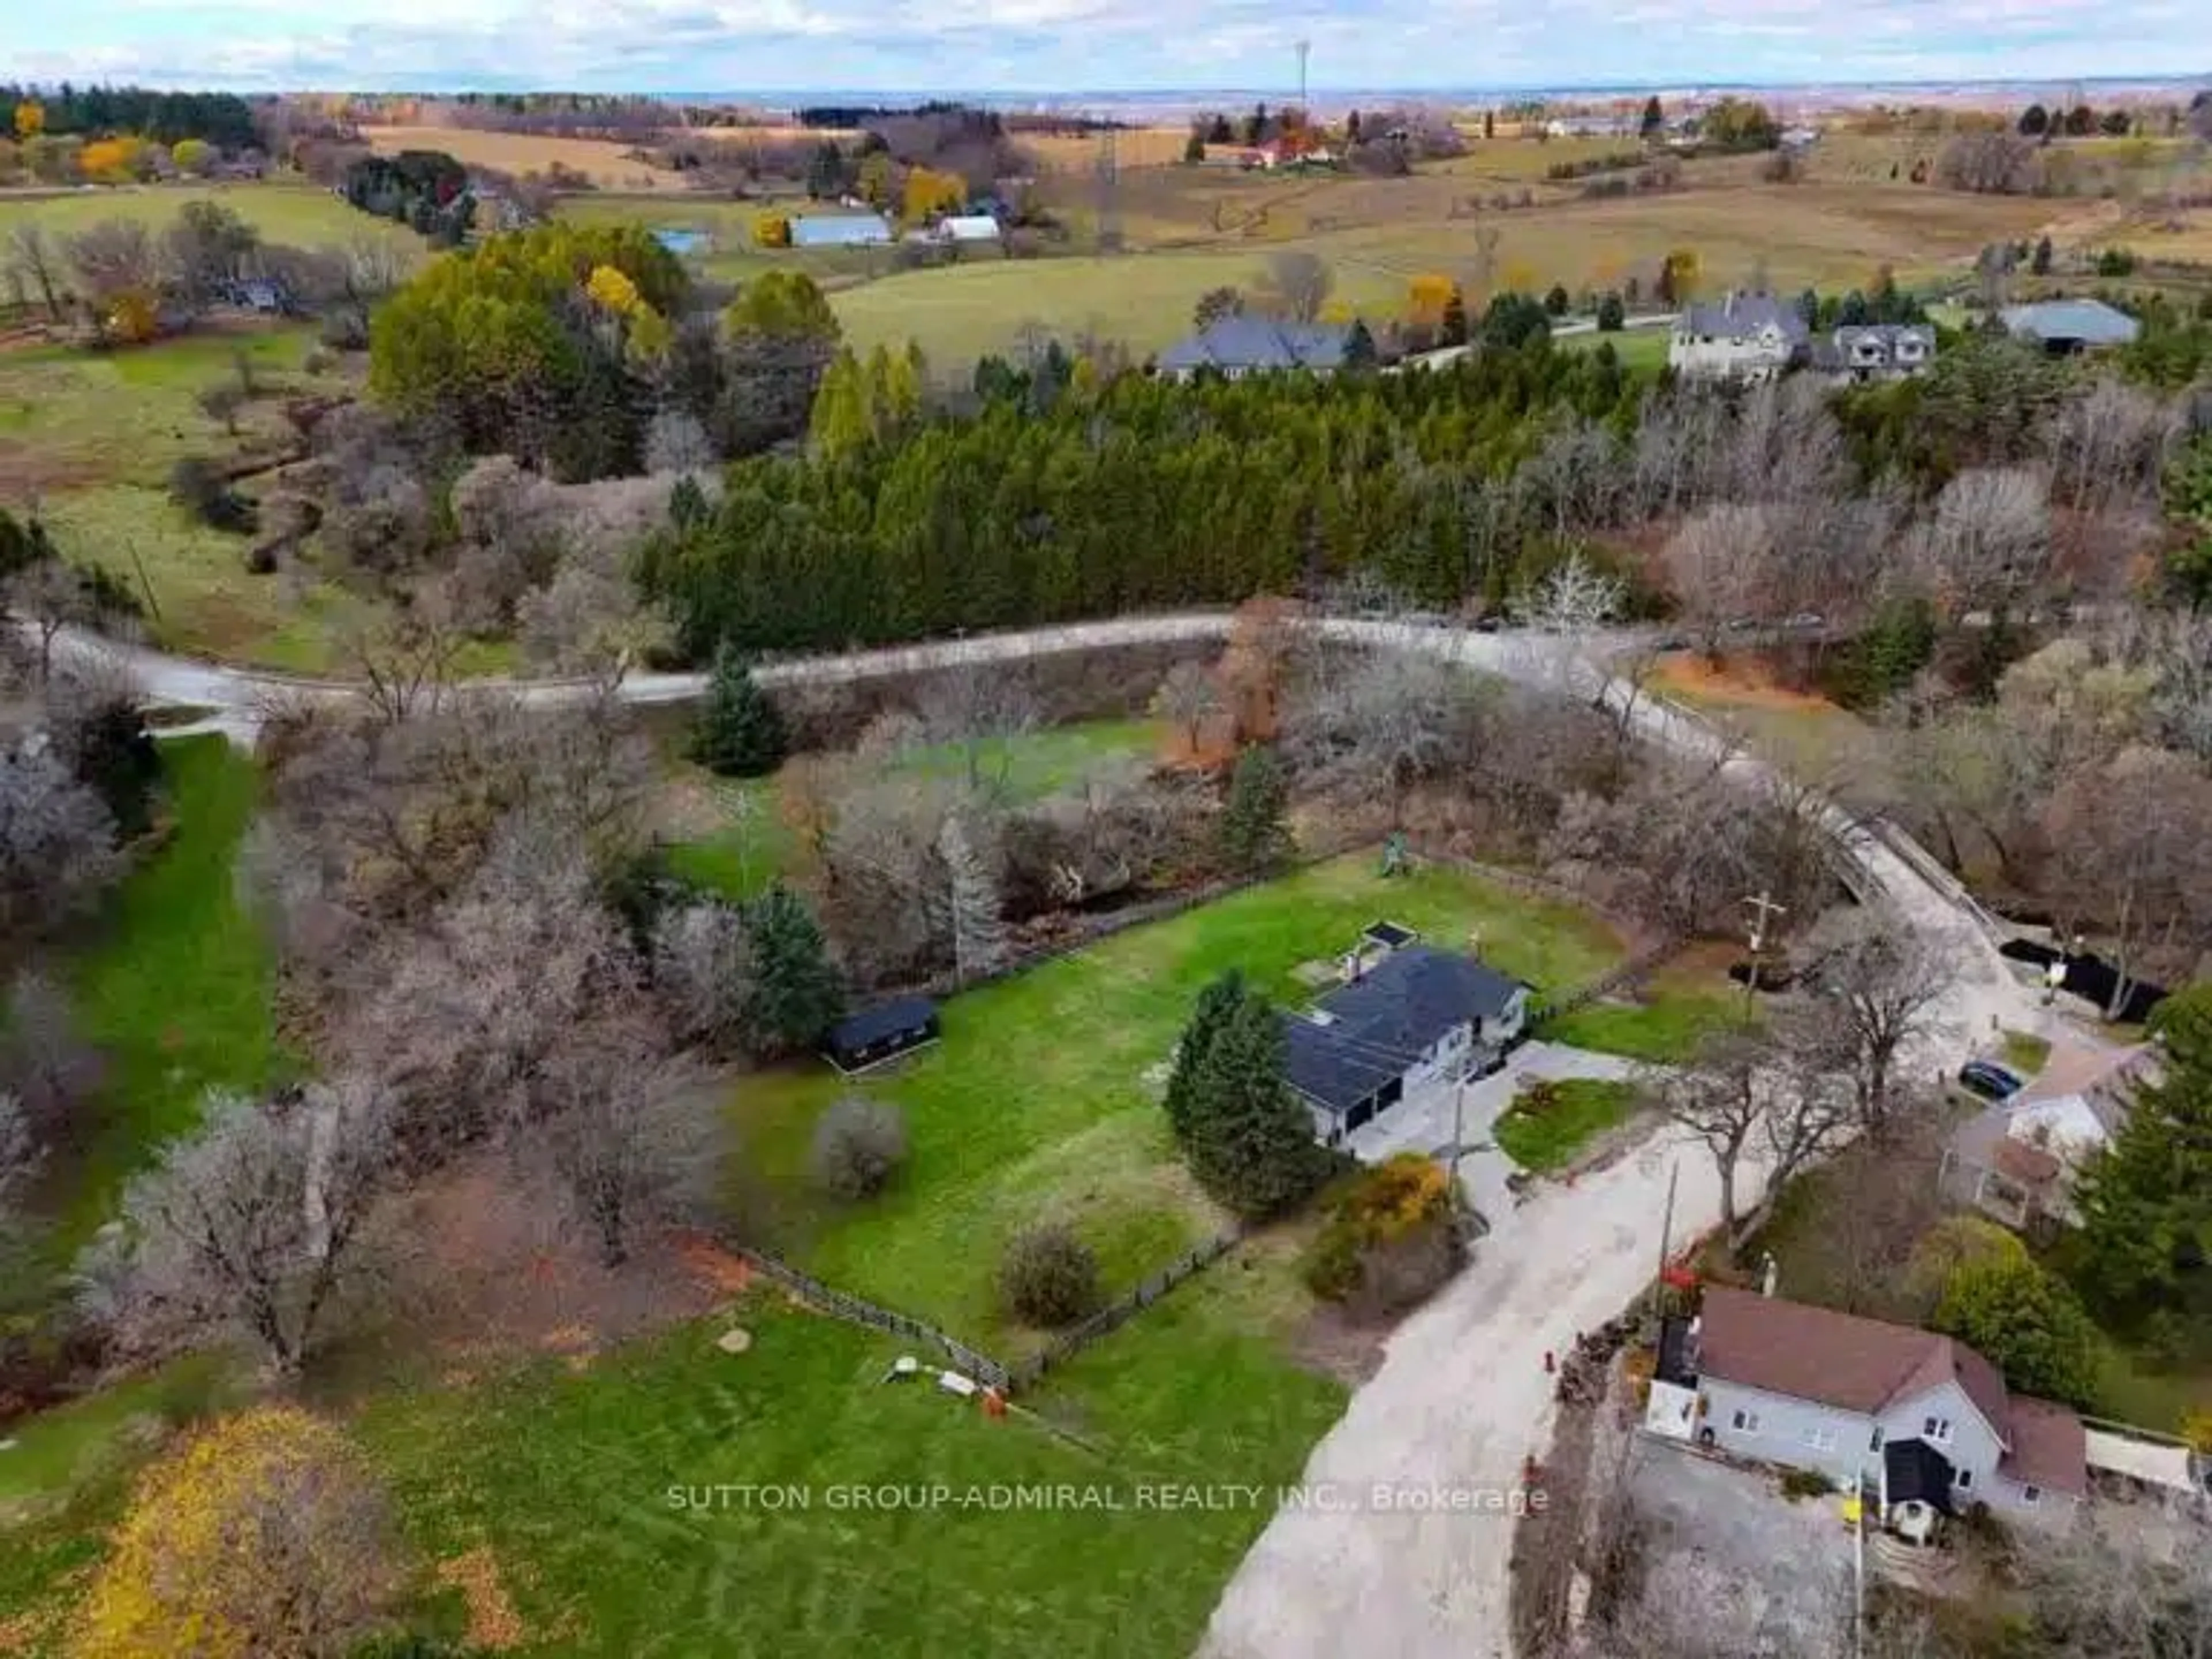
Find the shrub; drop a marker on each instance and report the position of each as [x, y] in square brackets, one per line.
[1049, 1277]
[1805, 1483]
[1392, 1238]
[1611, 314]
[197, 485]
[859, 1145]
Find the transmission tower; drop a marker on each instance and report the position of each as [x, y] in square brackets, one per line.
[1110, 189]
[1304, 50]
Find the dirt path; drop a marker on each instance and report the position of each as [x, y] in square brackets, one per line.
[1461, 1398]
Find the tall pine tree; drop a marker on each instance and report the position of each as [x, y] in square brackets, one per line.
[1249, 1142]
[797, 994]
[1219, 1000]
[1255, 834]
[2146, 1202]
[740, 731]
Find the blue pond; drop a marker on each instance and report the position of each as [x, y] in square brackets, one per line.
[682, 242]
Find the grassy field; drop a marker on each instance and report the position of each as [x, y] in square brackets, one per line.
[1376, 236]
[603, 162]
[1043, 1097]
[1582, 1109]
[1803, 731]
[565, 1482]
[105, 499]
[731, 836]
[1662, 1021]
[175, 988]
[1644, 349]
[300, 214]
[733, 256]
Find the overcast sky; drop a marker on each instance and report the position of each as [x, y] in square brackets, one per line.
[1058, 45]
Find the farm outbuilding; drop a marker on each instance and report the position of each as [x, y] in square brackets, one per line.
[881, 1033]
[840, 230]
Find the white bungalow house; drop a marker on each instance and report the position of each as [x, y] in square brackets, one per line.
[1414, 1018]
[1925, 1424]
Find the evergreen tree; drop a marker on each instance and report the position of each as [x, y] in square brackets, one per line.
[2026, 1322]
[2041, 262]
[688, 507]
[1220, 1000]
[1611, 315]
[2146, 1201]
[739, 733]
[1250, 1144]
[796, 993]
[1358, 347]
[1454, 330]
[1654, 118]
[1255, 834]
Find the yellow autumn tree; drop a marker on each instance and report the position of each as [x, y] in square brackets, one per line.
[612, 291]
[772, 230]
[1426, 296]
[876, 178]
[30, 119]
[264, 1533]
[1682, 268]
[929, 192]
[192, 155]
[111, 160]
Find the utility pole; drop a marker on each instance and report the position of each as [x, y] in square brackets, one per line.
[1666, 1225]
[1304, 50]
[1763, 910]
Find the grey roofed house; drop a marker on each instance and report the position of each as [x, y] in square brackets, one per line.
[1415, 996]
[1245, 345]
[1869, 351]
[1743, 314]
[2061, 326]
[1416, 1017]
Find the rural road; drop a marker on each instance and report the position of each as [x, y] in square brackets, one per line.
[1462, 1395]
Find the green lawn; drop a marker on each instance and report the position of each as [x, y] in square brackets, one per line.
[64, 414]
[1662, 1020]
[1582, 1109]
[1640, 349]
[743, 843]
[176, 989]
[566, 1479]
[1038, 1100]
[297, 214]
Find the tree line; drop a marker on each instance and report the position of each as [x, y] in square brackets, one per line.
[1064, 497]
[221, 118]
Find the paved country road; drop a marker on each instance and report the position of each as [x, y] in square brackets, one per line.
[1462, 1395]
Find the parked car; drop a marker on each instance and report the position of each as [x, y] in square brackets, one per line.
[1989, 1080]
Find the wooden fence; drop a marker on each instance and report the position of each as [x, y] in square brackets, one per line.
[829, 1300]
[1119, 1312]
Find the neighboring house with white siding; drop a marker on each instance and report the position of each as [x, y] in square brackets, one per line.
[1747, 337]
[2018, 1161]
[1924, 1420]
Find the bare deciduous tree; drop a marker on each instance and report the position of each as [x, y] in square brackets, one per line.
[973, 900]
[980, 709]
[1987, 545]
[57, 841]
[49, 596]
[635, 1139]
[1367, 727]
[1300, 282]
[20, 1158]
[251, 1223]
[49, 1069]
[703, 967]
[1877, 987]
[1718, 564]
[36, 263]
[1189, 700]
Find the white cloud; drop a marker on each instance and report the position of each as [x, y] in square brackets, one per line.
[1071, 45]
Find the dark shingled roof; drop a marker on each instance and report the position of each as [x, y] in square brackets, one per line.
[1740, 314]
[1413, 997]
[872, 1025]
[1329, 1071]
